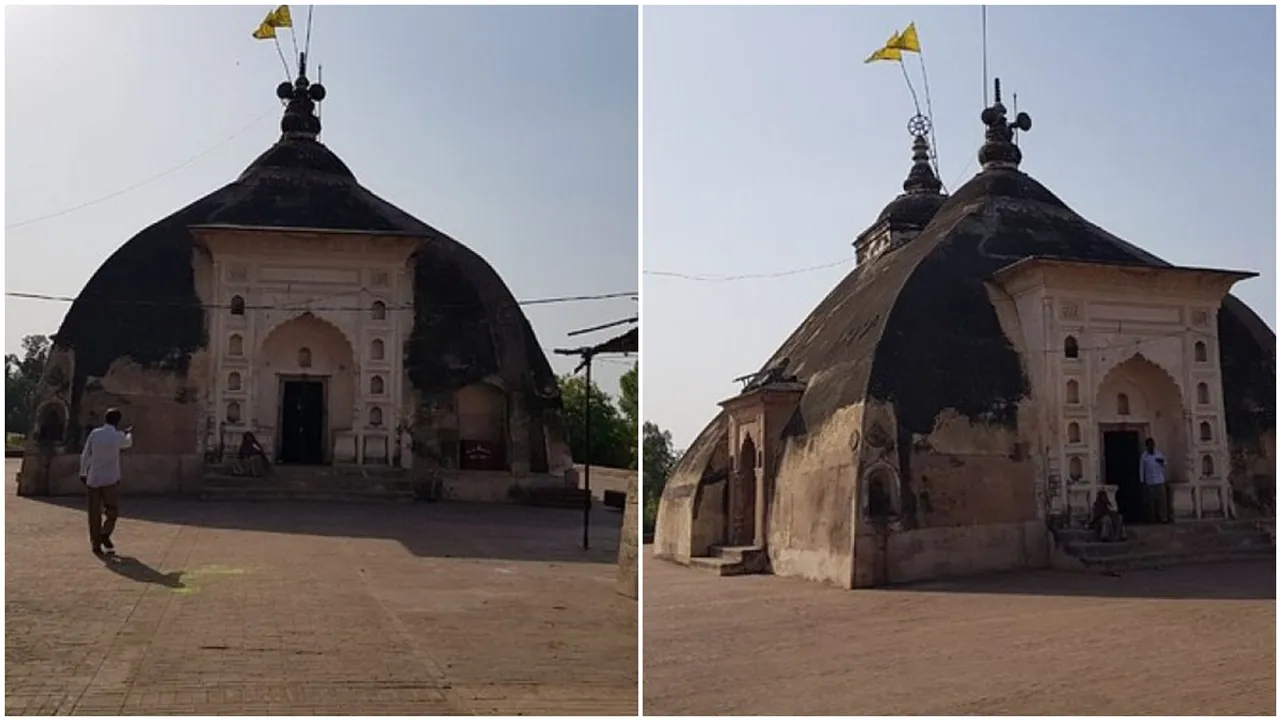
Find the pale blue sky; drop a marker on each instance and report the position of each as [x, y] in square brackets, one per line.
[769, 145]
[512, 129]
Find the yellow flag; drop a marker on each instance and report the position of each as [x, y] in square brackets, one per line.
[265, 31]
[282, 18]
[890, 50]
[907, 41]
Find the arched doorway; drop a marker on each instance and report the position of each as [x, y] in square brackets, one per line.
[742, 520]
[306, 389]
[1138, 400]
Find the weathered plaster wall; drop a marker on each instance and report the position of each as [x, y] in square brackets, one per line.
[481, 411]
[685, 509]
[812, 513]
[628, 583]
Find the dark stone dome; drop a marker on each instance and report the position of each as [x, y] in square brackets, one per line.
[915, 209]
[142, 302]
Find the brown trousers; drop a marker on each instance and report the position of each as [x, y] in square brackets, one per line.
[1156, 499]
[103, 499]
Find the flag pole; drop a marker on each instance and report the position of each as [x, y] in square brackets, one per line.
[984, 56]
[914, 100]
[288, 74]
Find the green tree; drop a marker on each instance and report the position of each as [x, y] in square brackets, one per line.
[629, 404]
[660, 458]
[21, 380]
[610, 444]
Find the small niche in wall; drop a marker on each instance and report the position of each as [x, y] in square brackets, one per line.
[1122, 404]
[1201, 352]
[375, 417]
[304, 357]
[1073, 433]
[1206, 466]
[1073, 392]
[1202, 393]
[1206, 432]
[1075, 468]
[379, 310]
[233, 382]
[235, 346]
[237, 305]
[1071, 347]
[233, 413]
[377, 350]
[376, 385]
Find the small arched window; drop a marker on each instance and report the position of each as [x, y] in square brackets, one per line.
[375, 416]
[377, 350]
[1206, 432]
[304, 357]
[1073, 392]
[1073, 433]
[379, 310]
[233, 381]
[1071, 348]
[376, 385]
[237, 305]
[1122, 404]
[235, 346]
[233, 413]
[1202, 351]
[1075, 468]
[1206, 466]
[879, 501]
[1202, 394]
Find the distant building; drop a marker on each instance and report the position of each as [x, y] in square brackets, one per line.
[295, 304]
[993, 362]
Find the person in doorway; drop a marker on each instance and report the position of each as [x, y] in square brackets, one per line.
[1106, 521]
[252, 459]
[1154, 494]
[100, 474]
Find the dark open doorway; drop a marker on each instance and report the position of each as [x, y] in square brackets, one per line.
[742, 519]
[1122, 453]
[302, 421]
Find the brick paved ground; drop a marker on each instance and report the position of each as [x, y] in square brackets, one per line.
[283, 608]
[1191, 640]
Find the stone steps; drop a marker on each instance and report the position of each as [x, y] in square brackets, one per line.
[321, 484]
[728, 560]
[1182, 543]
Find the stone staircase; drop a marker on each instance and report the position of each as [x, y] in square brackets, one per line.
[310, 483]
[1158, 546]
[724, 561]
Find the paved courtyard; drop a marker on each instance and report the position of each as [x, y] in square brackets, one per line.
[1182, 641]
[295, 608]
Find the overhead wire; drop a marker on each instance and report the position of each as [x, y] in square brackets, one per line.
[747, 276]
[303, 305]
[153, 178]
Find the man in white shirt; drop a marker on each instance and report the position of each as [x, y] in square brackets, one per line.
[100, 473]
[1154, 495]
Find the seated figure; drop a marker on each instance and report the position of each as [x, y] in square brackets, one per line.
[1106, 520]
[251, 459]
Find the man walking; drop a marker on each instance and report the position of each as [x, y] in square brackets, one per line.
[1154, 495]
[100, 473]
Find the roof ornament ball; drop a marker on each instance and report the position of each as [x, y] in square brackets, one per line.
[299, 114]
[921, 178]
[999, 150]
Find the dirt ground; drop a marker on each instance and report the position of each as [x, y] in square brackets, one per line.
[1196, 640]
[302, 608]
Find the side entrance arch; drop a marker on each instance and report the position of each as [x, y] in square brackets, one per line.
[742, 497]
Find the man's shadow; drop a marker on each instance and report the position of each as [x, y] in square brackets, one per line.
[138, 571]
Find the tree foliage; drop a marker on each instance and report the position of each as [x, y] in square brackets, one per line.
[21, 380]
[660, 458]
[629, 404]
[610, 445]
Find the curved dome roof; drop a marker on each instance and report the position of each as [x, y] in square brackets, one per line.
[142, 302]
[916, 327]
[921, 193]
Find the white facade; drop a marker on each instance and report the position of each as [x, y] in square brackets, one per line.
[1118, 349]
[307, 311]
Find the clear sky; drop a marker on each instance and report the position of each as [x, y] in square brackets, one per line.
[769, 145]
[514, 130]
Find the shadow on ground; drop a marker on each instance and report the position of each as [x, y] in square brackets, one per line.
[461, 530]
[138, 571]
[1242, 580]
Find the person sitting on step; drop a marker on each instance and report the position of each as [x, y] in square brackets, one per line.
[252, 459]
[1108, 522]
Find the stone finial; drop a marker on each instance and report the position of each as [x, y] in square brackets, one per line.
[921, 178]
[300, 112]
[999, 150]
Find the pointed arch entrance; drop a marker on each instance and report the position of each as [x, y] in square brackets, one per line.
[742, 507]
[307, 388]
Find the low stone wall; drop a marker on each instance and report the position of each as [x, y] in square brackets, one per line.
[140, 474]
[937, 553]
[629, 544]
